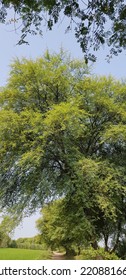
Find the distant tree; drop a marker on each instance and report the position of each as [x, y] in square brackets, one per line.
[95, 23]
[35, 242]
[63, 134]
[12, 244]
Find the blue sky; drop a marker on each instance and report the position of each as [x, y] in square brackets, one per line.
[52, 40]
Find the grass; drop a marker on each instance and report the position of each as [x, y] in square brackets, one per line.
[23, 254]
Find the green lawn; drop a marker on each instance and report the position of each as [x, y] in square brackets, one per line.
[23, 254]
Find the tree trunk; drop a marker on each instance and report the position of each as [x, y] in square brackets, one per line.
[117, 238]
[94, 244]
[69, 251]
[79, 250]
[106, 243]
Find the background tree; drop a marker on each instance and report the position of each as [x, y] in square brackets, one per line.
[63, 134]
[35, 243]
[95, 22]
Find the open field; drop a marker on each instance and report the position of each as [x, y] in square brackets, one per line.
[23, 254]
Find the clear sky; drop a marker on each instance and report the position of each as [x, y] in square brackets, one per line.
[52, 40]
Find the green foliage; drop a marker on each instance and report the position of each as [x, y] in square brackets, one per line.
[63, 134]
[121, 248]
[4, 240]
[12, 244]
[99, 254]
[7, 226]
[63, 227]
[95, 23]
[35, 243]
[33, 89]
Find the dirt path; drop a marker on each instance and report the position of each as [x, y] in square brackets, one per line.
[61, 256]
[58, 256]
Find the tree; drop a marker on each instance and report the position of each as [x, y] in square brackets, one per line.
[35, 242]
[63, 226]
[7, 225]
[63, 134]
[34, 87]
[95, 22]
[5, 240]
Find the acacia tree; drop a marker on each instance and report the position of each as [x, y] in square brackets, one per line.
[63, 134]
[95, 22]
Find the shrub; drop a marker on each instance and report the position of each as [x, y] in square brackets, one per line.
[12, 244]
[99, 254]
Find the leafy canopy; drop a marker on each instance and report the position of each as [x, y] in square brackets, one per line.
[63, 134]
[34, 88]
[95, 23]
[61, 226]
